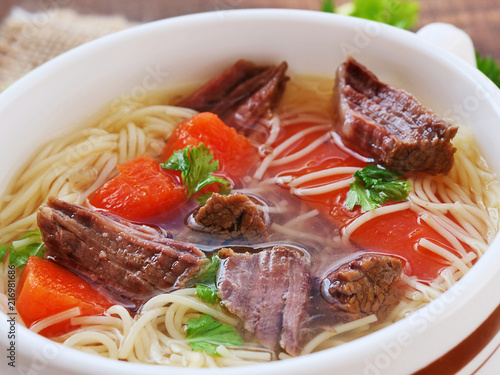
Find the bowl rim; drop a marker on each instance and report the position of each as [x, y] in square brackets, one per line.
[362, 347]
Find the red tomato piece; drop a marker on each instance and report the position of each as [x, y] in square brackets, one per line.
[142, 189]
[46, 289]
[235, 153]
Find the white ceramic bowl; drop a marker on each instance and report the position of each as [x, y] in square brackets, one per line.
[76, 85]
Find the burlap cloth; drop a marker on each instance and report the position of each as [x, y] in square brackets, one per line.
[27, 40]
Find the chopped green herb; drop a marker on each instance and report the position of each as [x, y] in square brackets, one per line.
[207, 293]
[197, 166]
[489, 67]
[328, 6]
[206, 334]
[374, 186]
[203, 198]
[208, 273]
[20, 250]
[3, 250]
[399, 13]
[206, 280]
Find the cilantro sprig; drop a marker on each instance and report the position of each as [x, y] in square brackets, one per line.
[207, 293]
[30, 243]
[328, 6]
[206, 280]
[197, 165]
[203, 198]
[206, 334]
[374, 186]
[399, 13]
[489, 67]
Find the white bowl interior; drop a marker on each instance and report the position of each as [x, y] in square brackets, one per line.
[71, 89]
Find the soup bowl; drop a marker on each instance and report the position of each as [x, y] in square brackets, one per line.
[71, 89]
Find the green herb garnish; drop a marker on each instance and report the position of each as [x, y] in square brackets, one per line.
[197, 166]
[489, 67]
[208, 272]
[203, 198]
[20, 250]
[374, 186]
[328, 6]
[399, 13]
[206, 334]
[206, 280]
[206, 293]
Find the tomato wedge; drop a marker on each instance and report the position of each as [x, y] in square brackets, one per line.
[142, 189]
[46, 289]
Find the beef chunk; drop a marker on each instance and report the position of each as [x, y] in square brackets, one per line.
[131, 263]
[270, 291]
[234, 215]
[241, 95]
[388, 124]
[218, 88]
[367, 285]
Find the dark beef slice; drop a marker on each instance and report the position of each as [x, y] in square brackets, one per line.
[270, 291]
[389, 124]
[131, 263]
[241, 95]
[214, 91]
[365, 286]
[234, 215]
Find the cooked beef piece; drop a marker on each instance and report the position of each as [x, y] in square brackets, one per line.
[241, 95]
[367, 285]
[234, 215]
[270, 291]
[388, 124]
[218, 88]
[131, 263]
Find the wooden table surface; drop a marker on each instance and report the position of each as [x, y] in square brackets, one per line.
[479, 18]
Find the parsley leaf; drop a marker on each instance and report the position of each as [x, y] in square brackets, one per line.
[179, 161]
[207, 293]
[203, 198]
[20, 250]
[328, 6]
[206, 333]
[206, 280]
[489, 67]
[3, 250]
[399, 13]
[374, 186]
[196, 165]
[208, 273]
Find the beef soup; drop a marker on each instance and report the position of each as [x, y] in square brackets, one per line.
[258, 218]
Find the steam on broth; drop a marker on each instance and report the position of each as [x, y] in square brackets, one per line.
[299, 186]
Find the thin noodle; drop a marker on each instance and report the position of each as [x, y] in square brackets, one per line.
[259, 173]
[136, 329]
[303, 152]
[172, 329]
[443, 232]
[275, 129]
[308, 215]
[355, 224]
[322, 189]
[323, 173]
[94, 338]
[443, 253]
[316, 341]
[54, 319]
